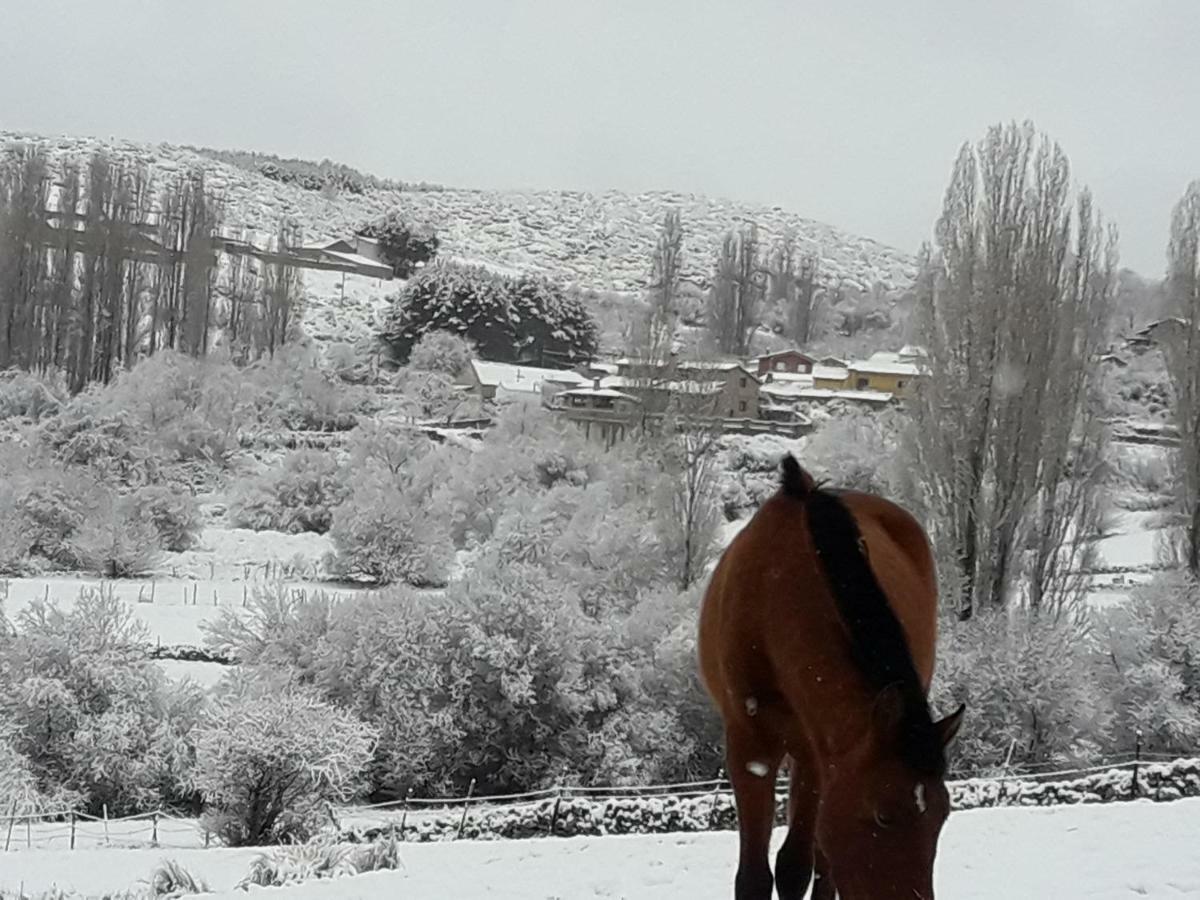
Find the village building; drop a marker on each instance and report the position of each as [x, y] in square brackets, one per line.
[506, 382]
[792, 362]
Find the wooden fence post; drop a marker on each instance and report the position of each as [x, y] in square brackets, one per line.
[154, 831]
[107, 842]
[557, 804]
[72, 829]
[1137, 760]
[404, 811]
[712, 816]
[29, 833]
[466, 805]
[12, 820]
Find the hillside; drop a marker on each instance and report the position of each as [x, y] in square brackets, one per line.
[600, 241]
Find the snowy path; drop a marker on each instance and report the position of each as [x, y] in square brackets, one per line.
[1120, 850]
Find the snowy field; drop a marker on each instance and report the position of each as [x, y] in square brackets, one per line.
[1120, 850]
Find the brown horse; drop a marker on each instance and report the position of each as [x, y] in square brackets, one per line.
[817, 639]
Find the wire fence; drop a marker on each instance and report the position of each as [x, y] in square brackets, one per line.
[69, 829]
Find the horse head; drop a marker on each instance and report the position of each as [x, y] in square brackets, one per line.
[884, 806]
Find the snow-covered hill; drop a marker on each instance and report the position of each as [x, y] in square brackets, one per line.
[596, 240]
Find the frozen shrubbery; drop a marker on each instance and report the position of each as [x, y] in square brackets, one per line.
[94, 720]
[174, 514]
[270, 757]
[580, 815]
[300, 494]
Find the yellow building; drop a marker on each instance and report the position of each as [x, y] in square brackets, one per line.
[889, 373]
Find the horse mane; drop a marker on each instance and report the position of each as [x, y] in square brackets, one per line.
[878, 645]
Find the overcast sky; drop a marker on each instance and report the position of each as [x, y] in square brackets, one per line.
[847, 112]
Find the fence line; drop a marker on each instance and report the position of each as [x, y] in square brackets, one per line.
[59, 824]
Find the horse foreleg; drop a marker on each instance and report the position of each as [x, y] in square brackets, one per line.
[823, 886]
[794, 862]
[753, 763]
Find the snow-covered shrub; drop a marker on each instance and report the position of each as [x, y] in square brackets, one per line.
[1150, 665]
[270, 757]
[296, 496]
[582, 815]
[31, 395]
[384, 534]
[280, 626]
[95, 718]
[1144, 471]
[403, 246]
[296, 864]
[300, 863]
[856, 450]
[507, 318]
[171, 879]
[1030, 687]
[52, 505]
[296, 389]
[114, 541]
[173, 512]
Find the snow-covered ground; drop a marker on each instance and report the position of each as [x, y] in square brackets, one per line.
[1110, 852]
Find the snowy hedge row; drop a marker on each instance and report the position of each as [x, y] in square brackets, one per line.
[573, 816]
[188, 653]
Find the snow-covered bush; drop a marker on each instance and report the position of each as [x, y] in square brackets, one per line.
[293, 865]
[173, 512]
[856, 450]
[385, 534]
[270, 757]
[507, 318]
[114, 541]
[171, 879]
[97, 721]
[296, 496]
[583, 815]
[31, 395]
[402, 245]
[279, 627]
[1031, 690]
[1150, 665]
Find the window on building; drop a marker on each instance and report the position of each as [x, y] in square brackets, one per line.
[742, 406]
[779, 365]
[899, 382]
[862, 383]
[743, 381]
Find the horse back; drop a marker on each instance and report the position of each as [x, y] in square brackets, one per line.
[769, 606]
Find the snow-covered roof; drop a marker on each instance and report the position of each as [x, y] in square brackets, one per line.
[522, 379]
[680, 387]
[610, 393]
[790, 351]
[684, 364]
[884, 363]
[830, 394]
[830, 372]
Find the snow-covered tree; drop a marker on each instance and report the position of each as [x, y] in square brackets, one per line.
[404, 246]
[1181, 345]
[1012, 306]
[738, 289]
[508, 319]
[270, 757]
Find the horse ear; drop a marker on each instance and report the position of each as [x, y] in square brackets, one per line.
[948, 727]
[888, 710]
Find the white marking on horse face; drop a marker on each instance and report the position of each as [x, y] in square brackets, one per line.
[757, 768]
[919, 796]
[751, 706]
